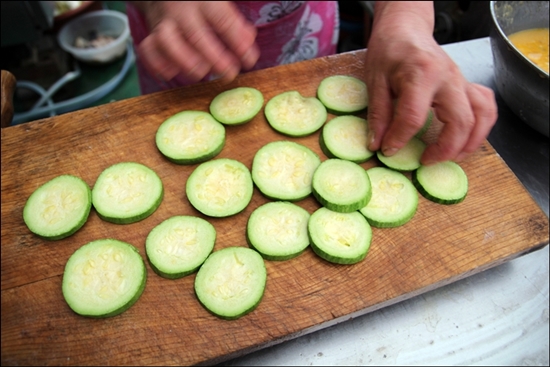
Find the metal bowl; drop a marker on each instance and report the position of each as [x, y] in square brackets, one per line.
[520, 82]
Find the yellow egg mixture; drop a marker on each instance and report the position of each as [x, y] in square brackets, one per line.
[533, 43]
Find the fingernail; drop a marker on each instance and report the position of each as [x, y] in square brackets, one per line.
[388, 152]
[370, 137]
[250, 57]
[216, 76]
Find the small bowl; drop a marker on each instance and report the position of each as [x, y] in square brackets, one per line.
[520, 82]
[100, 23]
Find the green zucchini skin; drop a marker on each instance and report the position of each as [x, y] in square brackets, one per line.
[76, 264]
[34, 207]
[288, 221]
[291, 114]
[347, 199]
[274, 257]
[424, 184]
[137, 218]
[394, 198]
[348, 88]
[407, 158]
[209, 191]
[225, 300]
[239, 112]
[284, 156]
[105, 203]
[173, 137]
[426, 125]
[198, 159]
[179, 245]
[340, 238]
[353, 149]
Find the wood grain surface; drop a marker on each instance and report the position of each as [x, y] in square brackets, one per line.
[497, 221]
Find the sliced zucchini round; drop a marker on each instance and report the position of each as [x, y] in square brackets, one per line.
[341, 186]
[283, 170]
[278, 230]
[220, 187]
[343, 94]
[179, 245]
[294, 115]
[190, 137]
[103, 278]
[426, 125]
[341, 238]
[443, 182]
[127, 192]
[231, 282]
[345, 137]
[58, 208]
[427, 122]
[237, 106]
[406, 158]
[394, 198]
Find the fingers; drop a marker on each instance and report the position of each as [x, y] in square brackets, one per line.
[468, 120]
[380, 111]
[405, 64]
[452, 107]
[468, 112]
[166, 54]
[199, 38]
[220, 22]
[415, 94]
[486, 113]
[236, 32]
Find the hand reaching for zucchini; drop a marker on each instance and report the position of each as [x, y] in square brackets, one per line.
[415, 71]
[195, 38]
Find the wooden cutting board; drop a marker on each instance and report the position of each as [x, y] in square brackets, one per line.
[498, 221]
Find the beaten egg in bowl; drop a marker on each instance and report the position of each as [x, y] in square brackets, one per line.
[533, 43]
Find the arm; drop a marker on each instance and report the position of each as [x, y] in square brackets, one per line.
[405, 63]
[196, 38]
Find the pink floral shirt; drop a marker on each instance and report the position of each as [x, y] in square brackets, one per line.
[288, 31]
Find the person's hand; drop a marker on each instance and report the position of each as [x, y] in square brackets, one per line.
[195, 38]
[404, 63]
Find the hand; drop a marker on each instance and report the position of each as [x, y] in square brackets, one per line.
[405, 63]
[196, 38]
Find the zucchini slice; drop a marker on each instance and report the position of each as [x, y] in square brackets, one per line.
[103, 278]
[345, 137]
[343, 94]
[283, 170]
[58, 208]
[237, 106]
[407, 158]
[394, 198]
[341, 186]
[294, 115]
[231, 282]
[220, 187]
[127, 192]
[341, 238]
[427, 122]
[179, 245]
[443, 182]
[426, 125]
[278, 230]
[190, 137]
